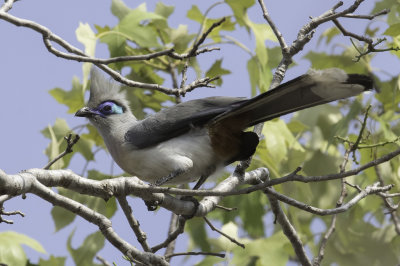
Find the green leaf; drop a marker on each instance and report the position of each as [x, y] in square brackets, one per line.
[115, 41]
[181, 38]
[239, 8]
[53, 261]
[251, 211]
[54, 150]
[341, 127]
[254, 74]
[358, 238]
[73, 99]
[393, 30]
[344, 61]
[56, 134]
[389, 94]
[86, 36]
[262, 32]
[85, 254]
[131, 27]
[222, 243]
[328, 35]
[119, 9]
[279, 139]
[264, 251]
[164, 10]
[195, 14]
[60, 129]
[11, 251]
[217, 70]
[198, 235]
[62, 217]
[84, 147]
[94, 136]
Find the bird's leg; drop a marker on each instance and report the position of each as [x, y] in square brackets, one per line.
[193, 199]
[209, 171]
[199, 183]
[152, 205]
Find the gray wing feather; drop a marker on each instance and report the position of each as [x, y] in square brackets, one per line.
[177, 120]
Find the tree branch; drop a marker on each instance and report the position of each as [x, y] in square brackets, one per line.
[172, 236]
[78, 55]
[233, 240]
[93, 217]
[173, 225]
[288, 230]
[369, 190]
[135, 225]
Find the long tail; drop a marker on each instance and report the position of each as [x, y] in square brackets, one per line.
[314, 88]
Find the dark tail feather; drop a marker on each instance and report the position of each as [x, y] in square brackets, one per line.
[314, 88]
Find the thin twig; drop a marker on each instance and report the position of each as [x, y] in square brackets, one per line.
[321, 252]
[172, 236]
[389, 203]
[2, 212]
[173, 224]
[135, 225]
[369, 190]
[221, 255]
[274, 28]
[204, 36]
[77, 54]
[70, 143]
[369, 41]
[102, 260]
[184, 74]
[289, 230]
[225, 208]
[222, 233]
[339, 204]
[369, 17]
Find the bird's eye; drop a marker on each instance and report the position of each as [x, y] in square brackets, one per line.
[107, 108]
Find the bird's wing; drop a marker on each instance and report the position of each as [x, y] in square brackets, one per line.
[177, 120]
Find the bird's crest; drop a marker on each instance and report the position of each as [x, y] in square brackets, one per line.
[103, 89]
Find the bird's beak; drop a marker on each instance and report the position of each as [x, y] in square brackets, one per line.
[85, 112]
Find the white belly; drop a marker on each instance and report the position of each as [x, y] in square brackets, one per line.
[191, 152]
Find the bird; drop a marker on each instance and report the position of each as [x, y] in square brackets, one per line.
[193, 139]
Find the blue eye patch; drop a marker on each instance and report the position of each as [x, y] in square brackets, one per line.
[109, 108]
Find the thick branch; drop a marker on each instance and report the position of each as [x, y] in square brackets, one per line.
[89, 215]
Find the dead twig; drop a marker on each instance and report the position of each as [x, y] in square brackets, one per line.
[70, 143]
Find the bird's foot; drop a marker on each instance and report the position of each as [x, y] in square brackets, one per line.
[196, 206]
[152, 205]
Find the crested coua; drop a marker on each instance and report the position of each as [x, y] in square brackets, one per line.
[191, 140]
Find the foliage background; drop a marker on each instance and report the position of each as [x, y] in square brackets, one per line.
[31, 71]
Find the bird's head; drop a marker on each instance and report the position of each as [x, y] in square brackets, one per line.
[107, 106]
